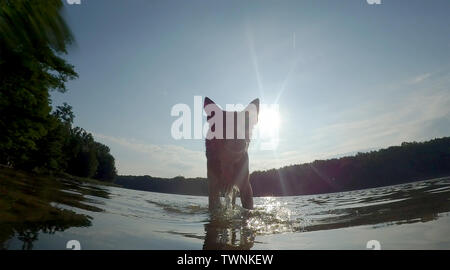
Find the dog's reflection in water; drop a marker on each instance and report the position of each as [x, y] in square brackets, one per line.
[228, 235]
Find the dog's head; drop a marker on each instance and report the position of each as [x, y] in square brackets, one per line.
[230, 131]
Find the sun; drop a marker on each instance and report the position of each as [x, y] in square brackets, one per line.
[268, 123]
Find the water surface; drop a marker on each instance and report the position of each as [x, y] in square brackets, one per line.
[408, 216]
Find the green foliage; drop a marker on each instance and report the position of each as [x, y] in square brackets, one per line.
[82, 159]
[106, 170]
[49, 153]
[33, 35]
[65, 114]
[82, 155]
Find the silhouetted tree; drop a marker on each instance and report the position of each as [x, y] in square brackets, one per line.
[33, 34]
[82, 158]
[106, 170]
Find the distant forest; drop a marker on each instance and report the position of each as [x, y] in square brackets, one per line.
[409, 162]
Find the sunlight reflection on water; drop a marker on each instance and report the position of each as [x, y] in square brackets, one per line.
[128, 219]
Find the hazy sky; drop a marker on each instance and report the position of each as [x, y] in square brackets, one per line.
[347, 76]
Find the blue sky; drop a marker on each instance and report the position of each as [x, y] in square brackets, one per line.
[347, 76]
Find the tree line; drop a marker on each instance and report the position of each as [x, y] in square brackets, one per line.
[33, 134]
[177, 185]
[411, 161]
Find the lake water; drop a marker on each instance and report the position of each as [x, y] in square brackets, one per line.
[408, 216]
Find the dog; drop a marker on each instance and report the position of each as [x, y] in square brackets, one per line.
[227, 143]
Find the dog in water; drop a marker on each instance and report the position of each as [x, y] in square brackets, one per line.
[227, 143]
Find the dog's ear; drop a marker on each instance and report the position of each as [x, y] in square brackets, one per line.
[207, 102]
[256, 103]
[210, 108]
[251, 115]
[253, 107]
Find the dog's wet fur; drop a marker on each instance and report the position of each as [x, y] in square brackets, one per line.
[227, 159]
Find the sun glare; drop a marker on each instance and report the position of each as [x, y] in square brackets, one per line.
[268, 123]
